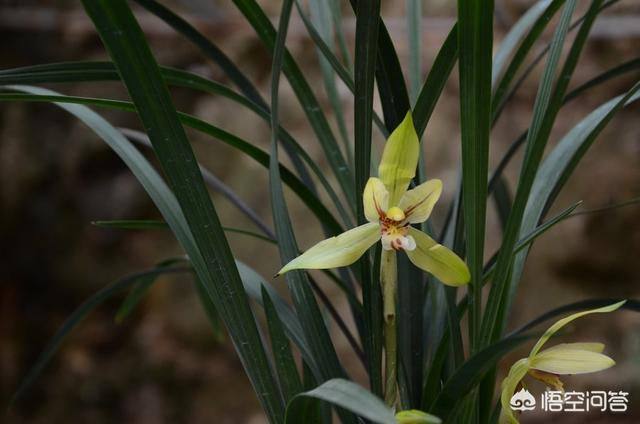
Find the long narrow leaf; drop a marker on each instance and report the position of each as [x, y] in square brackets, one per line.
[264, 28]
[544, 114]
[124, 40]
[436, 79]
[213, 52]
[559, 165]
[255, 153]
[471, 373]
[315, 331]
[323, 21]
[105, 71]
[475, 26]
[513, 38]
[283, 358]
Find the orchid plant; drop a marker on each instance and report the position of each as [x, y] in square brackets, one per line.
[440, 345]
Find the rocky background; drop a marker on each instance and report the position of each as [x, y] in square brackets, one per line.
[164, 364]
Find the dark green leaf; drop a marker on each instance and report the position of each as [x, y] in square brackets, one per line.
[258, 155]
[323, 22]
[342, 393]
[559, 165]
[313, 326]
[475, 35]
[436, 79]
[501, 88]
[264, 28]
[283, 358]
[367, 20]
[467, 377]
[101, 71]
[213, 261]
[546, 107]
[391, 87]
[514, 37]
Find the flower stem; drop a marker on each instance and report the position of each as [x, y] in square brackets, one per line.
[389, 281]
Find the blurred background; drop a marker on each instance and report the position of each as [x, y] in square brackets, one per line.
[164, 364]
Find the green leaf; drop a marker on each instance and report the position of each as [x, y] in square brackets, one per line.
[214, 53]
[528, 239]
[435, 82]
[619, 70]
[414, 21]
[105, 71]
[283, 357]
[502, 201]
[211, 256]
[134, 224]
[533, 64]
[630, 305]
[546, 107]
[258, 155]
[323, 22]
[212, 181]
[79, 314]
[558, 167]
[343, 73]
[367, 20]
[264, 28]
[391, 87]
[467, 377]
[432, 381]
[501, 88]
[253, 283]
[475, 27]
[336, 14]
[373, 323]
[206, 46]
[410, 345]
[342, 393]
[514, 37]
[313, 326]
[146, 175]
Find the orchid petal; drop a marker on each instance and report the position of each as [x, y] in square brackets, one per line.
[564, 321]
[563, 360]
[341, 250]
[590, 346]
[509, 385]
[437, 259]
[375, 199]
[418, 202]
[399, 159]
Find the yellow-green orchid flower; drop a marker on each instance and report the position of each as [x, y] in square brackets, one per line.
[414, 416]
[563, 359]
[391, 209]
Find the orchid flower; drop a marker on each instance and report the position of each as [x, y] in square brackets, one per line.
[562, 359]
[391, 209]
